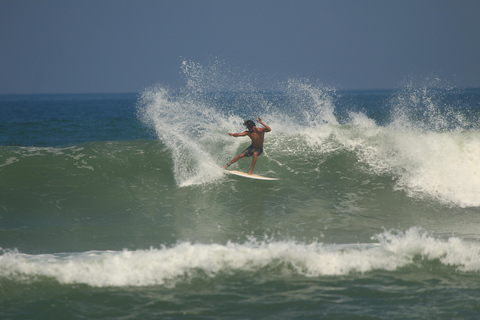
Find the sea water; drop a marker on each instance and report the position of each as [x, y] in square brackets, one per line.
[115, 206]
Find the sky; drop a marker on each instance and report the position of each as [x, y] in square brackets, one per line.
[115, 46]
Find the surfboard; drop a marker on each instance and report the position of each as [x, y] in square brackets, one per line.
[246, 175]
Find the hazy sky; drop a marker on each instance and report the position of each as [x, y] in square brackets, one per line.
[49, 46]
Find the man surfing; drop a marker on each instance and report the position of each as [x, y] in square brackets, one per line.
[256, 148]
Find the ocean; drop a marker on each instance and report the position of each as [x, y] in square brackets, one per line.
[115, 206]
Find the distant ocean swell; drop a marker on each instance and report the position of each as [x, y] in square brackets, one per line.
[186, 261]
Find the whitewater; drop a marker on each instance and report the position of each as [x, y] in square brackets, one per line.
[166, 266]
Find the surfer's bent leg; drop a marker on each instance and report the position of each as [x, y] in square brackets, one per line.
[240, 156]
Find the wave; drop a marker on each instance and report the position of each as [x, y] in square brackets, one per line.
[442, 166]
[425, 137]
[186, 261]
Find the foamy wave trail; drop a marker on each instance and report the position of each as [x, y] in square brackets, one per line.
[187, 261]
[425, 164]
[436, 144]
[430, 148]
[441, 165]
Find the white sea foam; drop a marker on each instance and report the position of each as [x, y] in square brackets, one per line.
[444, 165]
[426, 148]
[431, 147]
[441, 165]
[166, 266]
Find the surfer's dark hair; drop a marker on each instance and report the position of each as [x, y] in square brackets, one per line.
[249, 123]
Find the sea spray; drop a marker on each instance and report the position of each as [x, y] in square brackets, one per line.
[436, 149]
[429, 147]
[194, 121]
[187, 127]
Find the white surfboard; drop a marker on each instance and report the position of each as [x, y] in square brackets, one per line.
[246, 175]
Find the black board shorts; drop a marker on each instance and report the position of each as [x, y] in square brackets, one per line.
[250, 150]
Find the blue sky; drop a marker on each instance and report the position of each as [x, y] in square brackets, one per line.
[125, 46]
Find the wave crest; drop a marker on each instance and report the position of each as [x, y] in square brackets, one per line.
[184, 261]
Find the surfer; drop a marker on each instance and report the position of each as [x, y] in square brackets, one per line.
[256, 148]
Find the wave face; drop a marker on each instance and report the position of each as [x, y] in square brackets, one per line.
[424, 137]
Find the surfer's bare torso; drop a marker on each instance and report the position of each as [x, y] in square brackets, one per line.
[257, 135]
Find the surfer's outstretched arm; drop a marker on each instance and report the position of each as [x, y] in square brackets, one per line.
[243, 134]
